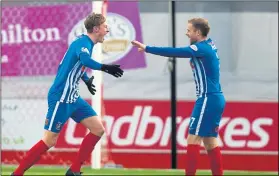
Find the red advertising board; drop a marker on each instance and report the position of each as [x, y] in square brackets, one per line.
[139, 134]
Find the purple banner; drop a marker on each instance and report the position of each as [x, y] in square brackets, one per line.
[124, 22]
[34, 39]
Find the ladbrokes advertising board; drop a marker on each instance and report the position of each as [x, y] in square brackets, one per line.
[142, 130]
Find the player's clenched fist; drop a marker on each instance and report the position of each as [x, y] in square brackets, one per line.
[114, 70]
[141, 46]
[91, 86]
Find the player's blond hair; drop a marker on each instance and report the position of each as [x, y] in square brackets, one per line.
[200, 24]
[92, 20]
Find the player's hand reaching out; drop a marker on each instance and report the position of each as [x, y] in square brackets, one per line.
[114, 70]
[91, 86]
[141, 47]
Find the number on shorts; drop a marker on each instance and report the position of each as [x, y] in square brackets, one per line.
[192, 121]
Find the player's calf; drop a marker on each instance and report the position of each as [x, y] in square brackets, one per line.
[214, 154]
[94, 124]
[49, 140]
[193, 152]
[33, 155]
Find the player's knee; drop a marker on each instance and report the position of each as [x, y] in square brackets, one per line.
[50, 138]
[99, 131]
[210, 143]
[210, 146]
[50, 142]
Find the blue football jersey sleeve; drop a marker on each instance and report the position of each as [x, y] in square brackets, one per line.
[185, 52]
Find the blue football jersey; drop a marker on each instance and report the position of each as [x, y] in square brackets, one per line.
[206, 68]
[71, 69]
[204, 62]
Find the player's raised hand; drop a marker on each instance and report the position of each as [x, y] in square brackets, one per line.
[141, 47]
[91, 86]
[114, 70]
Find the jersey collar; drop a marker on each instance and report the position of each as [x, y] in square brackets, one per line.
[88, 38]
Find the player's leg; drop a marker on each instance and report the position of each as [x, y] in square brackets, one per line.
[214, 155]
[33, 155]
[193, 153]
[56, 117]
[194, 139]
[215, 110]
[87, 117]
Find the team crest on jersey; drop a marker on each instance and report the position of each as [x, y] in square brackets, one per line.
[85, 50]
[58, 126]
[194, 47]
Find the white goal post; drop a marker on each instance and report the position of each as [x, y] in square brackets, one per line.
[97, 99]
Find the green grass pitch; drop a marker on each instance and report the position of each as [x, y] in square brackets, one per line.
[39, 170]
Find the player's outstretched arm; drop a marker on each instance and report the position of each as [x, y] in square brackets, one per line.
[114, 70]
[184, 52]
[88, 62]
